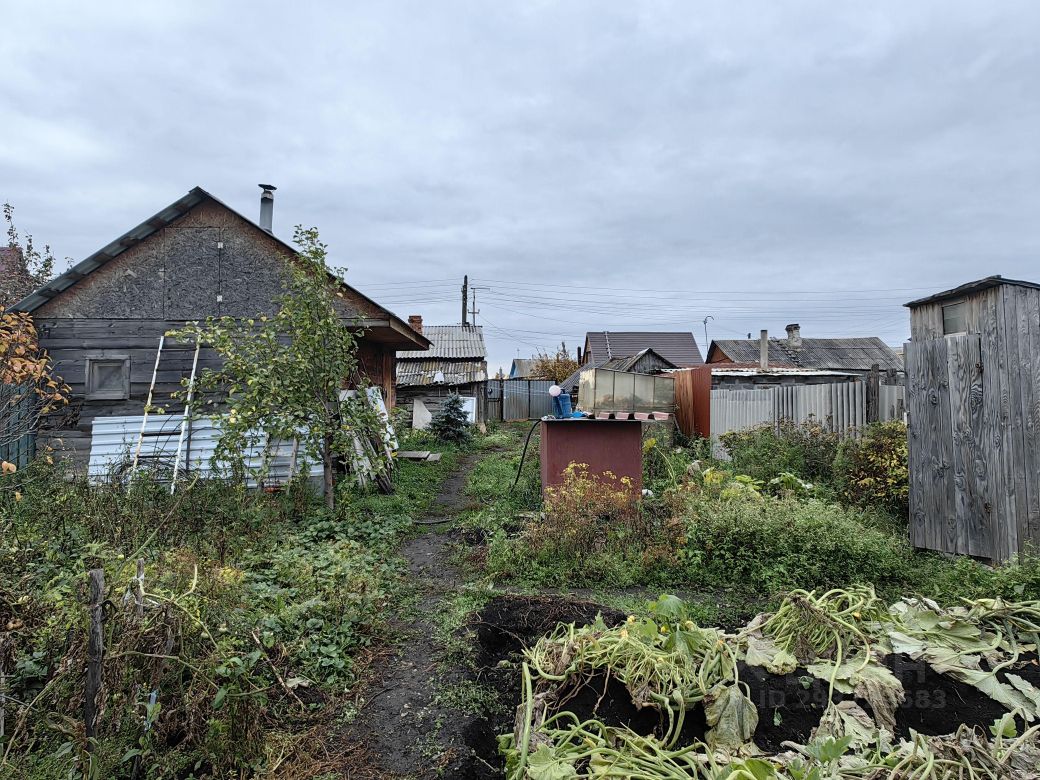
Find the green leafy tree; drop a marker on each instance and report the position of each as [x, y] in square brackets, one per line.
[451, 423]
[283, 375]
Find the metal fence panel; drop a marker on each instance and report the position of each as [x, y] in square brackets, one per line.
[526, 399]
[841, 406]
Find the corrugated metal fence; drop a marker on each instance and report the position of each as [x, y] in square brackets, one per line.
[840, 406]
[515, 399]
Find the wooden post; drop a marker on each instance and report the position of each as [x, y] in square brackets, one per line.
[874, 394]
[95, 651]
[139, 590]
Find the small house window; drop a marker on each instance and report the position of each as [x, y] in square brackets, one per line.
[954, 318]
[108, 378]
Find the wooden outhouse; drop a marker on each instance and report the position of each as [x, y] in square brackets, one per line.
[973, 396]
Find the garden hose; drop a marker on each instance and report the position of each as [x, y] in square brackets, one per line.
[523, 455]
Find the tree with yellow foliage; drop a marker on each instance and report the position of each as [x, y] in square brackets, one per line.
[29, 388]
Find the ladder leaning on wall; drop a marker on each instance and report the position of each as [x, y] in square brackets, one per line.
[185, 425]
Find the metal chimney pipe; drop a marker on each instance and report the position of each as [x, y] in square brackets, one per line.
[763, 350]
[267, 206]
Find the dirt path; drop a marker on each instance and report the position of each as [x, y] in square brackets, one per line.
[402, 729]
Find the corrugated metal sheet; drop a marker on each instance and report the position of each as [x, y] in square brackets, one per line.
[857, 354]
[840, 406]
[412, 373]
[526, 399]
[450, 341]
[114, 440]
[679, 347]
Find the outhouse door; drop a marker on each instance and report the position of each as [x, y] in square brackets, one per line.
[950, 506]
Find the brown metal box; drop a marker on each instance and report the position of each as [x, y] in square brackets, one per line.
[603, 445]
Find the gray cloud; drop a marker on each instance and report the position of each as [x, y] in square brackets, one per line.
[726, 154]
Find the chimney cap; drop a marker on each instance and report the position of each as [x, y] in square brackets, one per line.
[793, 326]
[270, 187]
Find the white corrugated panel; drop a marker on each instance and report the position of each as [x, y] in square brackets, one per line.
[114, 441]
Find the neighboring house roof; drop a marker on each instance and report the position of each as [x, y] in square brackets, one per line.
[972, 287]
[450, 341]
[628, 363]
[857, 354]
[457, 352]
[521, 368]
[414, 373]
[679, 347]
[157, 222]
[618, 364]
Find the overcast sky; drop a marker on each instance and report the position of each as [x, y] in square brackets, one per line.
[598, 165]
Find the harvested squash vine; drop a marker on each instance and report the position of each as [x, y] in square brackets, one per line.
[844, 638]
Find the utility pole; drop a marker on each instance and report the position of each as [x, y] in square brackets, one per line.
[709, 317]
[465, 298]
[475, 311]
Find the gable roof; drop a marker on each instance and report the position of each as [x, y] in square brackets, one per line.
[857, 354]
[972, 287]
[678, 347]
[521, 368]
[614, 364]
[451, 342]
[628, 363]
[157, 222]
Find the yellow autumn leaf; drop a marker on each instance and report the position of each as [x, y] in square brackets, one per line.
[7, 468]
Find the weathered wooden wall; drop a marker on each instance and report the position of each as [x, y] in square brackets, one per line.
[210, 262]
[974, 403]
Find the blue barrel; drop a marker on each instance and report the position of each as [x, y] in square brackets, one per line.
[562, 406]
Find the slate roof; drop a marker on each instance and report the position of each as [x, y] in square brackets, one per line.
[677, 347]
[456, 351]
[450, 341]
[413, 373]
[857, 354]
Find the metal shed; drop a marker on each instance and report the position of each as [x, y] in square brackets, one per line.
[973, 395]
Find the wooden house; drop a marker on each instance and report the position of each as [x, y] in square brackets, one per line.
[455, 364]
[973, 386]
[102, 319]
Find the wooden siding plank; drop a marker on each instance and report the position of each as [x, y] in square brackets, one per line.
[967, 426]
[1028, 311]
[997, 446]
[1016, 472]
[915, 355]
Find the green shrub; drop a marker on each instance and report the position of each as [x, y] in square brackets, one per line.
[806, 450]
[872, 469]
[775, 544]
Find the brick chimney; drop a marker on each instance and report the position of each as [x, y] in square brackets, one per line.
[10, 261]
[415, 321]
[794, 336]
